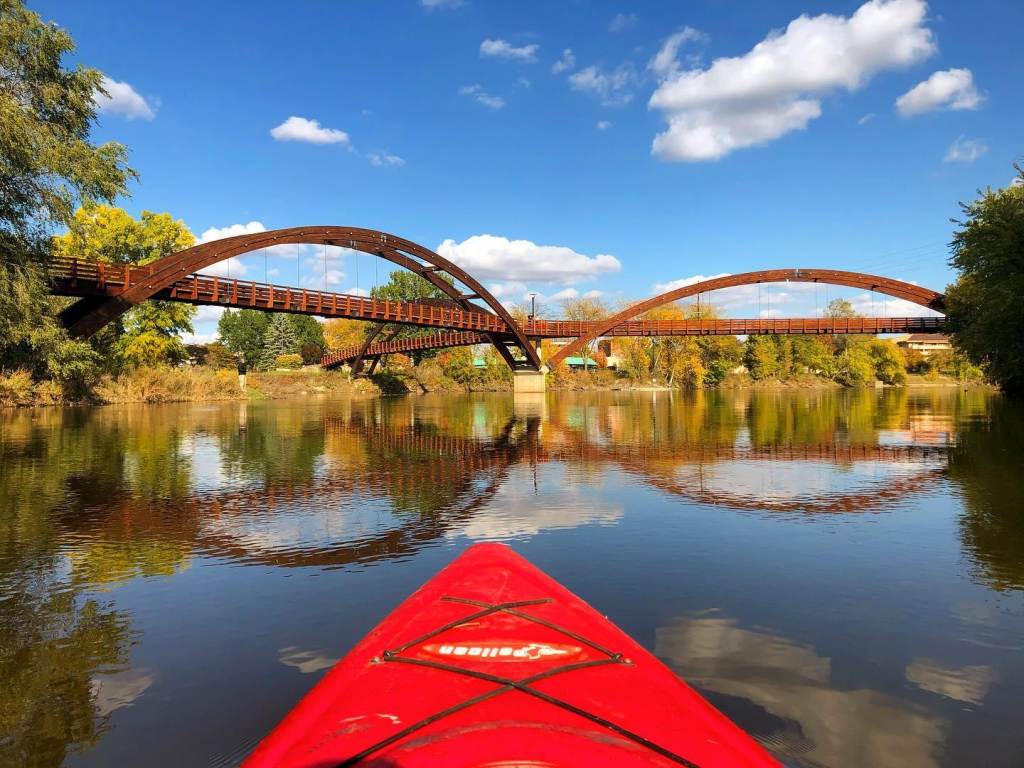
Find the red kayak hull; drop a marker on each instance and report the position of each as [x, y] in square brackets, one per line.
[494, 663]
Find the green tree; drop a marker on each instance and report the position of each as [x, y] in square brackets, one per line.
[242, 332]
[761, 357]
[47, 166]
[840, 308]
[888, 362]
[149, 333]
[984, 307]
[854, 367]
[403, 285]
[309, 333]
[812, 355]
[217, 356]
[279, 339]
[719, 354]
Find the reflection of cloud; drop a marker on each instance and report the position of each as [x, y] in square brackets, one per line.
[513, 510]
[297, 528]
[120, 689]
[306, 662]
[792, 682]
[968, 684]
[785, 484]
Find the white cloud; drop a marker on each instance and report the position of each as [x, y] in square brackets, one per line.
[285, 251]
[502, 49]
[208, 314]
[198, 338]
[948, 88]
[563, 295]
[219, 233]
[492, 257]
[603, 125]
[594, 294]
[385, 159]
[613, 88]
[482, 97]
[322, 267]
[431, 5]
[965, 150]
[304, 129]
[523, 82]
[766, 93]
[665, 63]
[866, 118]
[510, 290]
[881, 305]
[232, 268]
[564, 64]
[682, 282]
[622, 21]
[121, 99]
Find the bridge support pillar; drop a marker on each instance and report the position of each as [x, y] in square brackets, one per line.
[528, 382]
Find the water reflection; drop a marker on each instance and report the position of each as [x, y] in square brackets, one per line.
[804, 714]
[94, 501]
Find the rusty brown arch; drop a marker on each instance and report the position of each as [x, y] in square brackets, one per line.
[897, 288]
[88, 315]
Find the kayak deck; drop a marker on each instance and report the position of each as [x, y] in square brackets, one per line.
[493, 663]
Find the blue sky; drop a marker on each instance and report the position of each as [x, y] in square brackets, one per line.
[673, 140]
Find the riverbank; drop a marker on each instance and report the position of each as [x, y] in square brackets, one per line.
[178, 385]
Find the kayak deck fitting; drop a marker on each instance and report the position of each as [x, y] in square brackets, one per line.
[493, 663]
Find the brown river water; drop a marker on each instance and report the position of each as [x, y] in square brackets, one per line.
[841, 572]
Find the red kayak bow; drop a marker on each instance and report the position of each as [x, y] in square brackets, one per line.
[493, 663]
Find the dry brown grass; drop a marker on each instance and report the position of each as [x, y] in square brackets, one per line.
[169, 385]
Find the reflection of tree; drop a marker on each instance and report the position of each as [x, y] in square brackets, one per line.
[54, 644]
[101, 479]
[277, 445]
[987, 463]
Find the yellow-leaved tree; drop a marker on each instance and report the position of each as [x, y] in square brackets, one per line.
[149, 334]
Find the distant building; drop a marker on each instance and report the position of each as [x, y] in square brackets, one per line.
[926, 343]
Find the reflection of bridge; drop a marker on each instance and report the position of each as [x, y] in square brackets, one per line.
[107, 290]
[452, 467]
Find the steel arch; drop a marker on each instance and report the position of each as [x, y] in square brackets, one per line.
[83, 320]
[925, 297]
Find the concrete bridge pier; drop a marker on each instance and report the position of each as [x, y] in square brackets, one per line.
[528, 382]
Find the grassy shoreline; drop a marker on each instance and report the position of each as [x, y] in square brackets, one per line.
[182, 385]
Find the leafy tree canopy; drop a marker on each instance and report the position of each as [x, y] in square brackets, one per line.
[241, 331]
[984, 306]
[47, 163]
[342, 332]
[403, 285]
[47, 166]
[308, 331]
[840, 308]
[107, 233]
[149, 333]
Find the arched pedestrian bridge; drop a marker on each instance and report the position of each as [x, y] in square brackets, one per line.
[469, 315]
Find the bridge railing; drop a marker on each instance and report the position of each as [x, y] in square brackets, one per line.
[80, 278]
